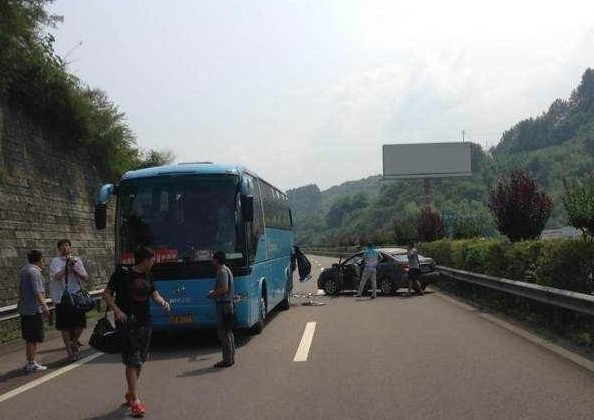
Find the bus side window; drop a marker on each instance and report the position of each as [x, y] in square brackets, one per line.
[256, 228]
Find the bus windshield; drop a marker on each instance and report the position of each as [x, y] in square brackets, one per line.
[183, 218]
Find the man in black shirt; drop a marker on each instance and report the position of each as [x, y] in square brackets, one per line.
[132, 289]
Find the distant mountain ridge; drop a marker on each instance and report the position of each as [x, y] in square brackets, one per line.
[557, 145]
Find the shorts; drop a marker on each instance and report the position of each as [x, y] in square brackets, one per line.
[68, 319]
[414, 274]
[32, 328]
[136, 344]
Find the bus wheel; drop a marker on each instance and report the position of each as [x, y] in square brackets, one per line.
[286, 302]
[259, 325]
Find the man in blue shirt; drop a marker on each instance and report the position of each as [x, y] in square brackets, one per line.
[371, 256]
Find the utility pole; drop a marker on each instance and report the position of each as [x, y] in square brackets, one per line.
[463, 133]
[71, 50]
[428, 194]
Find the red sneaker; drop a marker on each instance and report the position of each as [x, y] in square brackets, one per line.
[138, 409]
[129, 399]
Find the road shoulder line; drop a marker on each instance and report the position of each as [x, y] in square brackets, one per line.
[547, 344]
[48, 377]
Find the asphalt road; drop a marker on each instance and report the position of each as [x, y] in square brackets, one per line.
[392, 358]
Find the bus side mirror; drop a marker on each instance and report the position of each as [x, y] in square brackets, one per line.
[247, 208]
[106, 191]
[100, 216]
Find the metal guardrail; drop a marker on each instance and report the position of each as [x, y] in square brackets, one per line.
[10, 312]
[578, 302]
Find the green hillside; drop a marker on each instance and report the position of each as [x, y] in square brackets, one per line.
[557, 145]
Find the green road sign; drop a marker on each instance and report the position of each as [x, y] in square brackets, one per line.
[448, 218]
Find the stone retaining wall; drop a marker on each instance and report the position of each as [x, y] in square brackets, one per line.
[46, 193]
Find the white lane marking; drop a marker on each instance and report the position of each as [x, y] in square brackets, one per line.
[49, 377]
[303, 349]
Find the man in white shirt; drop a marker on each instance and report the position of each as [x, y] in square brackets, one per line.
[67, 270]
[414, 269]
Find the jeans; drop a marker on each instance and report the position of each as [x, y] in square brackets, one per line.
[367, 274]
[225, 334]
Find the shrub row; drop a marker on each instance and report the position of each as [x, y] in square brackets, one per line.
[561, 263]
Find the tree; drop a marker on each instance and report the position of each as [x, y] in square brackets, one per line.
[430, 226]
[156, 158]
[467, 227]
[23, 40]
[405, 231]
[344, 206]
[34, 79]
[520, 209]
[579, 203]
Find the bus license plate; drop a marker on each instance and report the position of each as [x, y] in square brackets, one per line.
[182, 319]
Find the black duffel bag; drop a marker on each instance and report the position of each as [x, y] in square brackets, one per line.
[80, 301]
[106, 338]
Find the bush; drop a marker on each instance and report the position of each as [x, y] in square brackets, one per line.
[579, 204]
[566, 264]
[520, 209]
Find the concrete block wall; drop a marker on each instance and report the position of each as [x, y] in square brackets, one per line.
[47, 192]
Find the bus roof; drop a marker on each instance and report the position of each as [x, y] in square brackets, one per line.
[190, 168]
[187, 168]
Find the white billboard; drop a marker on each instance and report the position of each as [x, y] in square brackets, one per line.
[426, 160]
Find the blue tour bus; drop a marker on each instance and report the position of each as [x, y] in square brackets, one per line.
[185, 213]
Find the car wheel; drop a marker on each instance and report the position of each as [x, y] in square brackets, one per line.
[386, 286]
[331, 286]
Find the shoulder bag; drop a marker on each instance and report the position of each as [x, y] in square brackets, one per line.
[80, 301]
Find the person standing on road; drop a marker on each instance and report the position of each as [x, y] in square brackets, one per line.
[414, 269]
[300, 261]
[132, 289]
[31, 306]
[371, 256]
[223, 295]
[68, 271]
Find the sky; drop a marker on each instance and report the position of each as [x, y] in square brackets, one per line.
[308, 91]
